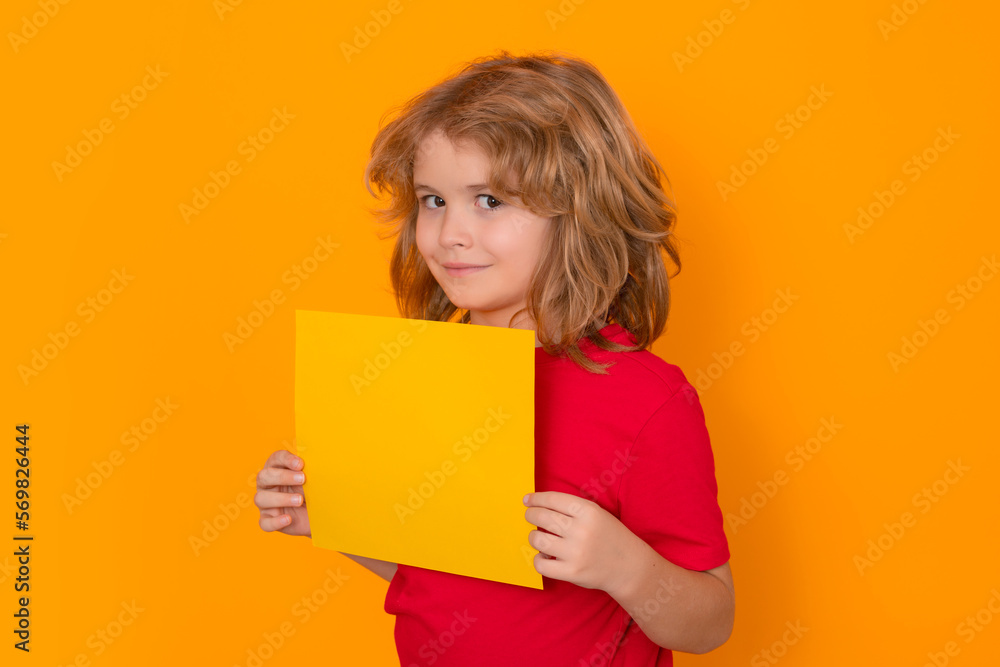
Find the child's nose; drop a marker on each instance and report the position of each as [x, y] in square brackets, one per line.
[455, 227]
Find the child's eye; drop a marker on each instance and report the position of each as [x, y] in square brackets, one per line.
[423, 199]
[491, 203]
[489, 199]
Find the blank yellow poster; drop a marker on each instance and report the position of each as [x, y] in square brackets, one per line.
[418, 441]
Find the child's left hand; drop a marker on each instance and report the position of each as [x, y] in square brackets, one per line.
[590, 547]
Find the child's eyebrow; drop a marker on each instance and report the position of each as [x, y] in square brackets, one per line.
[475, 186]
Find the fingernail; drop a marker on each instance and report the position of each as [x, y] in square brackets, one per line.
[525, 499]
[296, 500]
[297, 463]
[299, 477]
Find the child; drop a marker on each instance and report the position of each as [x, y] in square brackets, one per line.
[523, 196]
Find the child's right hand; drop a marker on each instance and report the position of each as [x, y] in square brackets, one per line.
[279, 484]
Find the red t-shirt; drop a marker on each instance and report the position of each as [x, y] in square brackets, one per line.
[633, 441]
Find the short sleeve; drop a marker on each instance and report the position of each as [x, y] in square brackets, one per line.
[668, 494]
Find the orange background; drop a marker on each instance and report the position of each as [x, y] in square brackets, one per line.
[163, 334]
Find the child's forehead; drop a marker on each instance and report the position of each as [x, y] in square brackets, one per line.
[447, 153]
[437, 138]
[438, 143]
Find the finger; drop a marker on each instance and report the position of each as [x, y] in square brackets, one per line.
[265, 499]
[284, 459]
[270, 523]
[557, 501]
[554, 522]
[272, 476]
[275, 458]
[548, 545]
[545, 567]
[290, 460]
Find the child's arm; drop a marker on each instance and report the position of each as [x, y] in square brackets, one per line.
[382, 568]
[679, 609]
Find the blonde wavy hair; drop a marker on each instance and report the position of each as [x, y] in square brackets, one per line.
[552, 120]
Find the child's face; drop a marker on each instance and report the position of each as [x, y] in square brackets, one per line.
[466, 225]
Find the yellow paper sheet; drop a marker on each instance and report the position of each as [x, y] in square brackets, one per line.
[418, 441]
